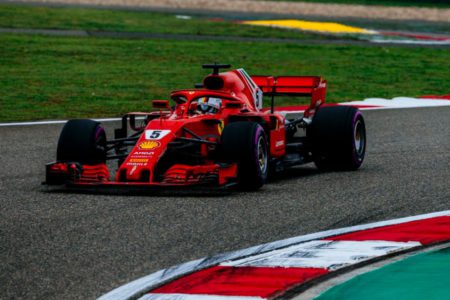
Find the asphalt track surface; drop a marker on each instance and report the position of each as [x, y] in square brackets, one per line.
[79, 246]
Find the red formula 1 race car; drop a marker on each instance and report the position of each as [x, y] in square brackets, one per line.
[215, 135]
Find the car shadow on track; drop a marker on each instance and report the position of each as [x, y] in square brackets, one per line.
[294, 173]
[186, 192]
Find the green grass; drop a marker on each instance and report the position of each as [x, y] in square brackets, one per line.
[419, 3]
[57, 78]
[19, 16]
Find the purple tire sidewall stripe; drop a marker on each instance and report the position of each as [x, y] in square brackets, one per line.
[98, 132]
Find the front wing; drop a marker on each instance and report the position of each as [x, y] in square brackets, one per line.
[73, 175]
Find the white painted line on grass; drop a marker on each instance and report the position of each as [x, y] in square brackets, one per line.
[412, 42]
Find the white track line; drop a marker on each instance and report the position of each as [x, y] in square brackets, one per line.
[398, 102]
[146, 283]
[52, 122]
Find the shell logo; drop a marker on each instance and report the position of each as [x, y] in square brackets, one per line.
[149, 145]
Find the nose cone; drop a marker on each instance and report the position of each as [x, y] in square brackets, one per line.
[143, 158]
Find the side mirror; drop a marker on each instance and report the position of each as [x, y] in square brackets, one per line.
[161, 104]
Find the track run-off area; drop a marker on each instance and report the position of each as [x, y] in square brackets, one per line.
[80, 246]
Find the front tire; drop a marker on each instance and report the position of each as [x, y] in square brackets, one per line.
[245, 143]
[82, 141]
[338, 138]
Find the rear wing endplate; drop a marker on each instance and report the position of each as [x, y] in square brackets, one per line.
[305, 86]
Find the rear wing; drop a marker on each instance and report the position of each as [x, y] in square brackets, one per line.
[306, 86]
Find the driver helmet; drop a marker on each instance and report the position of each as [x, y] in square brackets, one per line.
[209, 105]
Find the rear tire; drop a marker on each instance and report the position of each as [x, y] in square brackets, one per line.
[82, 141]
[338, 138]
[245, 143]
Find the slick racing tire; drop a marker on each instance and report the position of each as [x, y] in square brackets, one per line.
[245, 143]
[82, 141]
[338, 138]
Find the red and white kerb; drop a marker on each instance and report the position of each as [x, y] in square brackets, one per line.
[270, 274]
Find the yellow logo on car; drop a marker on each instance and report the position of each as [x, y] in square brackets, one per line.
[138, 160]
[149, 145]
[220, 126]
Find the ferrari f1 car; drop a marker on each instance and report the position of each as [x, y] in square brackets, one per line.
[217, 134]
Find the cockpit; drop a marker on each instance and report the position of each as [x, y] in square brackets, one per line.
[205, 105]
[201, 105]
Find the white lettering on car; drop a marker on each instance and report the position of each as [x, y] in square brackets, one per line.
[153, 134]
[279, 143]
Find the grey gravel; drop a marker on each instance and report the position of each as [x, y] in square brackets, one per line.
[277, 7]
